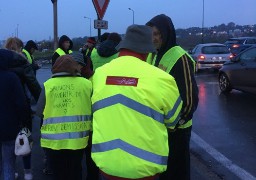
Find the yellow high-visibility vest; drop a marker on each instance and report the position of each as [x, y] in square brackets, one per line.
[133, 103]
[67, 113]
[168, 61]
[28, 56]
[61, 52]
[98, 61]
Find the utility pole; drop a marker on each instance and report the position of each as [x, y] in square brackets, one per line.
[17, 30]
[99, 30]
[55, 24]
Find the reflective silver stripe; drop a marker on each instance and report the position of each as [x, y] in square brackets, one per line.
[68, 135]
[66, 119]
[135, 151]
[172, 112]
[173, 123]
[121, 99]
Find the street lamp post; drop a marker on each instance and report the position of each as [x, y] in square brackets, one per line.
[90, 25]
[132, 15]
[203, 24]
[17, 30]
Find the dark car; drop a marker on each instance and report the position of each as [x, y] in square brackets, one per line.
[237, 45]
[240, 72]
[210, 55]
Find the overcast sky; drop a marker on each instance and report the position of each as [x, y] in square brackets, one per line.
[33, 19]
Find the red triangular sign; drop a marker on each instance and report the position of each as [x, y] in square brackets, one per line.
[101, 7]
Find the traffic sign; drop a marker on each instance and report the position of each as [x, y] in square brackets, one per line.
[101, 7]
[100, 24]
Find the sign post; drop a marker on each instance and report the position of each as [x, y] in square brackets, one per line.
[100, 7]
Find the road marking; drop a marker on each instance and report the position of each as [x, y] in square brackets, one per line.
[241, 173]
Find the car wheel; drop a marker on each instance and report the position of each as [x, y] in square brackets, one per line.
[224, 83]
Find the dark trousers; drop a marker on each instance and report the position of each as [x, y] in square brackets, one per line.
[27, 161]
[92, 169]
[178, 167]
[66, 164]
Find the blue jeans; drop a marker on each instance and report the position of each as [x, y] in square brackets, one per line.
[7, 160]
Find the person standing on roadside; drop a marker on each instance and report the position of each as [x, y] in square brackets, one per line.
[174, 60]
[19, 65]
[65, 46]
[65, 106]
[28, 51]
[89, 50]
[133, 104]
[14, 114]
[106, 50]
[89, 47]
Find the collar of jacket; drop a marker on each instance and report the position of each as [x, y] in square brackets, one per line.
[127, 52]
[64, 74]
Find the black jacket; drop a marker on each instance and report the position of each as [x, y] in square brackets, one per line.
[14, 109]
[182, 71]
[24, 70]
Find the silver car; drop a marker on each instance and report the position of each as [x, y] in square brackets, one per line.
[210, 55]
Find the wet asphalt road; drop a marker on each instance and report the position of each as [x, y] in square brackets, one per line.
[223, 142]
[227, 124]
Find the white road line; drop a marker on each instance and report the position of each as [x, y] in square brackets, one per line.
[241, 173]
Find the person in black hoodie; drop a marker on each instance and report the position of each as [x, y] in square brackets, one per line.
[106, 51]
[176, 61]
[65, 46]
[14, 113]
[20, 65]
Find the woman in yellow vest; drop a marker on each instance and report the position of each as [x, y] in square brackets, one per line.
[66, 106]
[65, 46]
[133, 104]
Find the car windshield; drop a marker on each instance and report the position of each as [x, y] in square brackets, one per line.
[215, 50]
[234, 41]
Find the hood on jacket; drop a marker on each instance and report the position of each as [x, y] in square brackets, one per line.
[65, 64]
[164, 24]
[10, 59]
[65, 38]
[4, 56]
[108, 47]
[30, 44]
[104, 37]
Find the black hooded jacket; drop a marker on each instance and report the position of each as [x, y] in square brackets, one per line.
[60, 44]
[14, 109]
[182, 71]
[20, 66]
